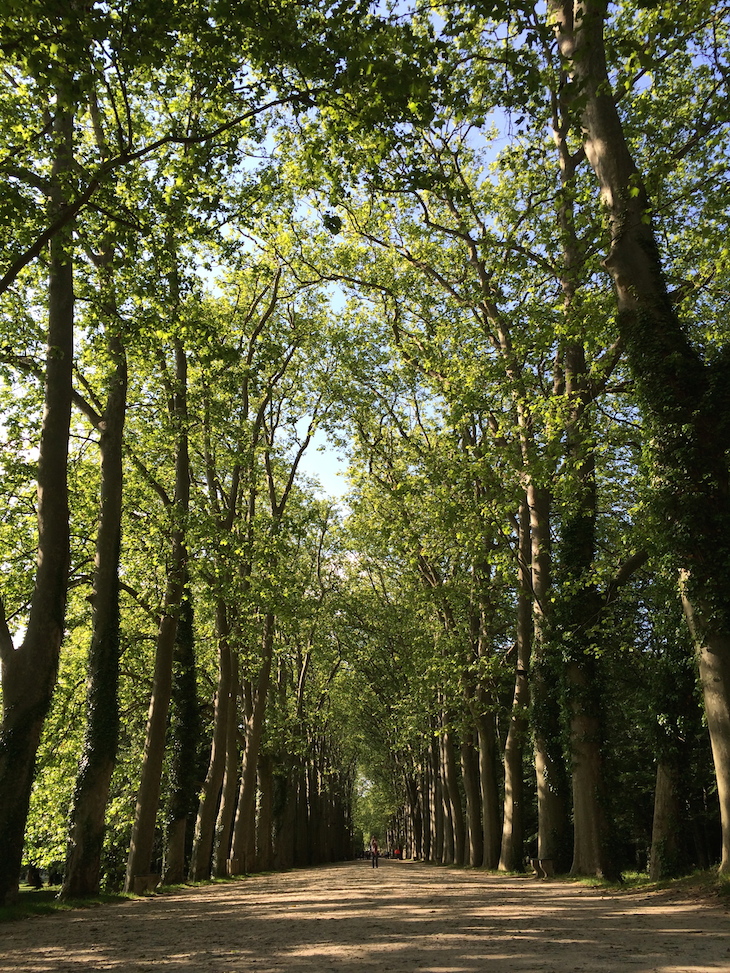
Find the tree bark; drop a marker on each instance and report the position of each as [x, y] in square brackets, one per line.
[243, 848]
[713, 657]
[148, 796]
[512, 851]
[184, 732]
[229, 789]
[665, 847]
[86, 835]
[200, 862]
[684, 398]
[29, 672]
[474, 853]
[552, 837]
[453, 796]
[264, 843]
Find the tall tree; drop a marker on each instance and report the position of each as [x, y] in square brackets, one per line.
[29, 671]
[684, 393]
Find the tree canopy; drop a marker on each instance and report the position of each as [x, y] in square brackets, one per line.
[481, 252]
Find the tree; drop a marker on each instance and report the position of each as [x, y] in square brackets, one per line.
[682, 391]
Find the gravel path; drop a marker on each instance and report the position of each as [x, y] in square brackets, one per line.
[401, 918]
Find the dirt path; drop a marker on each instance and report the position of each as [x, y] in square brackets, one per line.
[403, 917]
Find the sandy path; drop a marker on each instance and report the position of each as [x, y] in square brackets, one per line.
[403, 917]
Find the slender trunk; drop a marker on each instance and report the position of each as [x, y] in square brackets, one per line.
[86, 833]
[227, 807]
[243, 849]
[453, 796]
[426, 810]
[208, 806]
[512, 851]
[264, 843]
[148, 796]
[437, 803]
[474, 853]
[29, 672]
[302, 848]
[577, 611]
[284, 819]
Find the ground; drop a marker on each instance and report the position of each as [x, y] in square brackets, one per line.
[400, 918]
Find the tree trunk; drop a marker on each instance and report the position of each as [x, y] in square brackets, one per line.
[184, 744]
[426, 810]
[453, 796]
[243, 848]
[489, 786]
[86, 835]
[512, 852]
[593, 853]
[264, 843]
[203, 841]
[665, 847]
[437, 804]
[29, 672]
[682, 394]
[474, 854]
[552, 816]
[148, 796]
[713, 656]
[684, 398]
[229, 790]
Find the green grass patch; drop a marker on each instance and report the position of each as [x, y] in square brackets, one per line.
[45, 901]
[706, 884]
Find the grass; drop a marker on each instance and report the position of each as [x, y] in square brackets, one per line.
[44, 902]
[707, 885]
[700, 884]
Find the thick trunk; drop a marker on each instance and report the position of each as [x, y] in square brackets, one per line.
[148, 796]
[577, 613]
[184, 744]
[552, 801]
[208, 806]
[684, 398]
[713, 656]
[243, 847]
[489, 786]
[474, 854]
[664, 861]
[592, 846]
[86, 834]
[29, 672]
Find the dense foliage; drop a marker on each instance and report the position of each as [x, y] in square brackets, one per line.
[480, 250]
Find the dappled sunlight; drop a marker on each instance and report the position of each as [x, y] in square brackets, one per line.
[399, 919]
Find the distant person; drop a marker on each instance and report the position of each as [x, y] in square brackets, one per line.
[374, 851]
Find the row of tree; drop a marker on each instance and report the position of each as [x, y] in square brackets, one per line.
[482, 253]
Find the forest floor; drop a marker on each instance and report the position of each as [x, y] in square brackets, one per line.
[400, 918]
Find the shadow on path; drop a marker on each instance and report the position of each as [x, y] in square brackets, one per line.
[401, 917]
